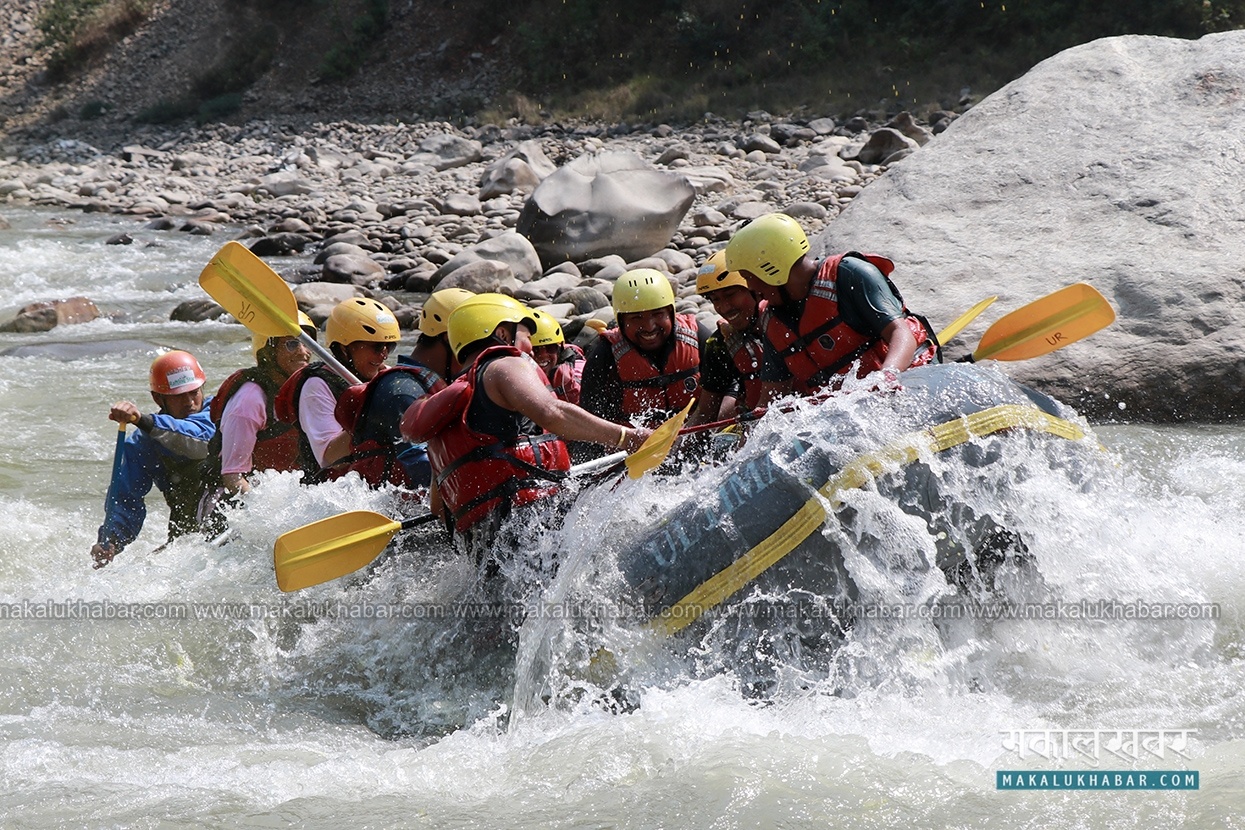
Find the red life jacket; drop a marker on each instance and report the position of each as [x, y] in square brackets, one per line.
[746, 351]
[276, 445]
[476, 472]
[826, 346]
[286, 409]
[374, 460]
[649, 390]
[568, 373]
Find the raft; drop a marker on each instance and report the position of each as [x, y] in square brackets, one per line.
[763, 530]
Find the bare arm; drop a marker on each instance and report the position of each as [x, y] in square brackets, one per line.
[516, 384]
[900, 345]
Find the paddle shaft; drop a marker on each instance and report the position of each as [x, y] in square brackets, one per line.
[117, 455]
[327, 356]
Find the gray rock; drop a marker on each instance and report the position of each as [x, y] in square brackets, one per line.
[883, 144]
[353, 269]
[548, 286]
[510, 248]
[280, 244]
[335, 248]
[461, 204]
[46, 316]
[906, 124]
[1147, 209]
[196, 311]
[518, 171]
[583, 298]
[481, 276]
[610, 202]
[450, 151]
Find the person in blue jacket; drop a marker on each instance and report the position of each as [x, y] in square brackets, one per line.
[166, 450]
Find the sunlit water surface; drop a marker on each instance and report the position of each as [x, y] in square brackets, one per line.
[275, 719]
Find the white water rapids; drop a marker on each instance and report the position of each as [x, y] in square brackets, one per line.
[272, 719]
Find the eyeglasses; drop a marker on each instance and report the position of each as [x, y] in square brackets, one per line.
[291, 344]
[384, 348]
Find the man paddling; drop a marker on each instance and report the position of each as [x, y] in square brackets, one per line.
[166, 450]
[830, 316]
[495, 435]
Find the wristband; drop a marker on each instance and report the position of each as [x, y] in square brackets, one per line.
[622, 439]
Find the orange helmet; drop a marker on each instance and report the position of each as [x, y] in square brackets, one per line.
[176, 372]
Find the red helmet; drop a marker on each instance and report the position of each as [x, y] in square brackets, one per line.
[176, 372]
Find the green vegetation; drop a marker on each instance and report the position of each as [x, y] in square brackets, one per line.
[344, 59]
[679, 58]
[78, 30]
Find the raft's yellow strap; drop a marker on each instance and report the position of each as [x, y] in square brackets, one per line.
[855, 474]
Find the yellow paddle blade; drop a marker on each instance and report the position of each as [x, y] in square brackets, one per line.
[1045, 325]
[329, 548]
[963, 320]
[654, 451]
[252, 292]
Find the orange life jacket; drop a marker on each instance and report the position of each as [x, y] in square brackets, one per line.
[568, 373]
[476, 472]
[649, 390]
[824, 345]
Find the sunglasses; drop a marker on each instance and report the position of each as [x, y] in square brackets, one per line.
[291, 345]
[384, 348]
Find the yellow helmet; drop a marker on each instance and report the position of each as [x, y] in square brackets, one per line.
[477, 317]
[361, 319]
[548, 332]
[713, 275]
[767, 247]
[258, 341]
[644, 289]
[434, 319]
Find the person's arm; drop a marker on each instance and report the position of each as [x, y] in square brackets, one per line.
[718, 377]
[244, 416]
[517, 384]
[318, 422]
[868, 305]
[600, 391]
[184, 437]
[126, 510]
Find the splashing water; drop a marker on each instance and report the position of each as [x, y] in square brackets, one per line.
[259, 707]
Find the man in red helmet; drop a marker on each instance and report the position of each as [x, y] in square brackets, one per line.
[166, 450]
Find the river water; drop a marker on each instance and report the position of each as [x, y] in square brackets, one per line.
[231, 704]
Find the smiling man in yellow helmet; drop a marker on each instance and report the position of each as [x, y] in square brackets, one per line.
[828, 316]
[648, 367]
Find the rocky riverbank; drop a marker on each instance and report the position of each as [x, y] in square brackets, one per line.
[393, 211]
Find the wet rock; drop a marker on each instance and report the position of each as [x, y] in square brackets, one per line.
[196, 311]
[611, 202]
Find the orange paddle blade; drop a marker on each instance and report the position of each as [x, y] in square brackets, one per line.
[1056, 320]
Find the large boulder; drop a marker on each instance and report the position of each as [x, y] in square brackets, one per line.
[605, 203]
[1118, 163]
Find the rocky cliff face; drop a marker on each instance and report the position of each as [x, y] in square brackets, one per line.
[425, 64]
